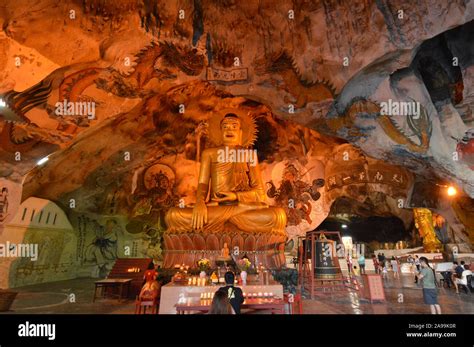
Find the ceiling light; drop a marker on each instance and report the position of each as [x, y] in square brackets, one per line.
[42, 161]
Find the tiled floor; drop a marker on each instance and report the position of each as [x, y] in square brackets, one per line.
[403, 297]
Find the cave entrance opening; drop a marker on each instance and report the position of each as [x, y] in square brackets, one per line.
[374, 227]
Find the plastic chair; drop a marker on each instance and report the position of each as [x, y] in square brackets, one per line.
[139, 304]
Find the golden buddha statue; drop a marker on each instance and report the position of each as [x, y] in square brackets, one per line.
[425, 225]
[229, 175]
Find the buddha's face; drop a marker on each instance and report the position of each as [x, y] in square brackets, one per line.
[231, 132]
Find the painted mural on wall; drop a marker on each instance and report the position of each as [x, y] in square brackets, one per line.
[295, 195]
[102, 251]
[56, 258]
[40, 244]
[465, 148]
[297, 188]
[10, 195]
[3, 204]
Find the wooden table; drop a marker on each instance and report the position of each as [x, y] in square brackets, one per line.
[274, 305]
[112, 283]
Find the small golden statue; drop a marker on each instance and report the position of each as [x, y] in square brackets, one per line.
[229, 175]
[425, 225]
[225, 252]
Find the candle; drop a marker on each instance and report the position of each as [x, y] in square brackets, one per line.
[271, 294]
[260, 294]
[194, 281]
[265, 294]
[189, 281]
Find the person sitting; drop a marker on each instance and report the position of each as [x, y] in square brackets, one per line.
[221, 304]
[235, 295]
[151, 289]
[463, 280]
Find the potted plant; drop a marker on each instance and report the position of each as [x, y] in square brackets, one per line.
[243, 265]
[204, 265]
[6, 299]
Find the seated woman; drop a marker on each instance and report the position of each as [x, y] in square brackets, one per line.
[221, 304]
[151, 289]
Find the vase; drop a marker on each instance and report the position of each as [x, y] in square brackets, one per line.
[243, 276]
[202, 274]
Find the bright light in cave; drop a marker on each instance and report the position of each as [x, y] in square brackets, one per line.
[452, 191]
[344, 226]
[2, 103]
[42, 161]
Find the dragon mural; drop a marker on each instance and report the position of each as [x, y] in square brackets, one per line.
[350, 119]
[302, 91]
[20, 134]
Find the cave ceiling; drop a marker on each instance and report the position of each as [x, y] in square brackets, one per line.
[311, 69]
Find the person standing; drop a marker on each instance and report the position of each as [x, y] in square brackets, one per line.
[361, 262]
[235, 295]
[383, 262]
[395, 268]
[430, 292]
[376, 264]
[417, 264]
[379, 257]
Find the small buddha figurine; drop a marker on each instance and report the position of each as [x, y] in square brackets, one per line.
[225, 251]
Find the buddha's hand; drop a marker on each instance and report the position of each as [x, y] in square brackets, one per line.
[225, 196]
[199, 215]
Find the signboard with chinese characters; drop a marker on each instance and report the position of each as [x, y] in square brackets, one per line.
[374, 174]
[232, 75]
[373, 288]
